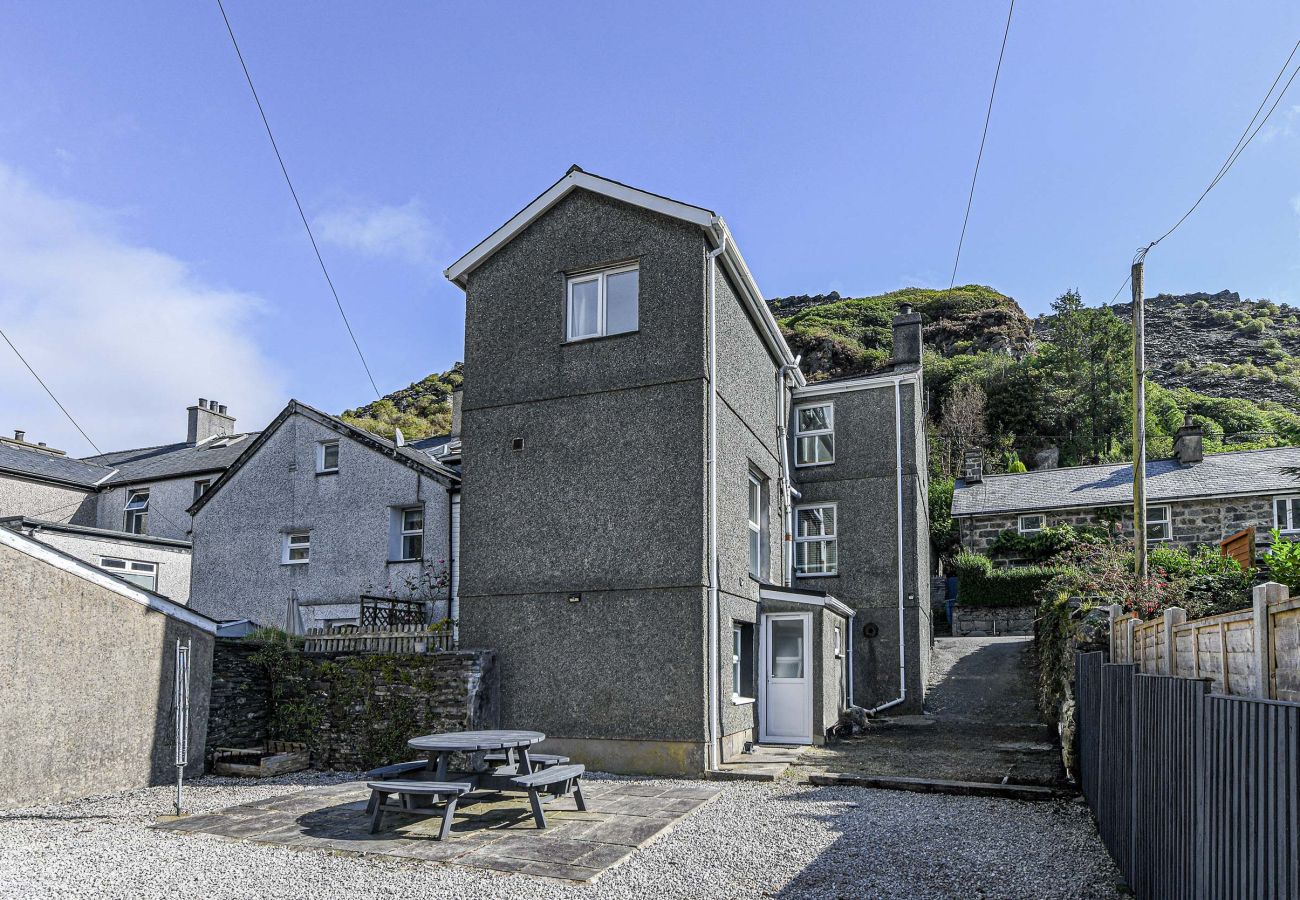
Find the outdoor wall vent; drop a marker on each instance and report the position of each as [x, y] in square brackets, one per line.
[517, 444]
[870, 630]
[574, 598]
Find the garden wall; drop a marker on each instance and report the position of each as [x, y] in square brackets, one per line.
[978, 621]
[353, 710]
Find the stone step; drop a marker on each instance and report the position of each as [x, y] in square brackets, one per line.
[942, 786]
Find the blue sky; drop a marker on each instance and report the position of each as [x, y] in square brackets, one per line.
[150, 253]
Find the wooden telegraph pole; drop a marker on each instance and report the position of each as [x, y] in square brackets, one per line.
[1139, 422]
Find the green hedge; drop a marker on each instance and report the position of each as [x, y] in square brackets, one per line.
[979, 584]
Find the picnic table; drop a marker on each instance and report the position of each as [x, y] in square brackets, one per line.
[440, 748]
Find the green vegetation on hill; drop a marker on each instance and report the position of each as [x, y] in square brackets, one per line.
[420, 410]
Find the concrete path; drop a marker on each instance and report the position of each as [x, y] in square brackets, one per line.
[981, 723]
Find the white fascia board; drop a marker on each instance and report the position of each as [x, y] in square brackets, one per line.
[157, 603]
[752, 296]
[827, 601]
[461, 268]
[867, 382]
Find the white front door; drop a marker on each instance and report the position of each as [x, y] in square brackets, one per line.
[787, 678]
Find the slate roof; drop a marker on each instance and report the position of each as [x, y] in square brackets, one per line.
[50, 467]
[173, 460]
[1247, 473]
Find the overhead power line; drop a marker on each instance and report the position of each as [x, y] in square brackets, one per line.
[302, 215]
[42, 383]
[988, 115]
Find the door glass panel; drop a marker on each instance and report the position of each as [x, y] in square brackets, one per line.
[787, 648]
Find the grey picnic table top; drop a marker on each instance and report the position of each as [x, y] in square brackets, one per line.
[474, 741]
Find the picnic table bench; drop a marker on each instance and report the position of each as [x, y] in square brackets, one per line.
[449, 792]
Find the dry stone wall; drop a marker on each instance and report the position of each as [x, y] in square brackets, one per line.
[982, 621]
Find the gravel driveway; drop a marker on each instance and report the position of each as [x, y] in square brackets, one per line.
[755, 840]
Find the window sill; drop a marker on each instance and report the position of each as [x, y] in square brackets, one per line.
[814, 465]
[737, 700]
[327, 472]
[294, 562]
[816, 574]
[599, 337]
[398, 562]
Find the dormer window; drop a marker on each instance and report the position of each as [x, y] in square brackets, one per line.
[603, 302]
[327, 457]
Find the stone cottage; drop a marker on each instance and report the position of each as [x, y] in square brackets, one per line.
[674, 542]
[1193, 500]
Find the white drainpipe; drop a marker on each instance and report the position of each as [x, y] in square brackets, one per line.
[787, 485]
[714, 622]
[902, 595]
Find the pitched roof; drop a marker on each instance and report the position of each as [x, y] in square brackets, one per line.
[715, 230]
[404, 455]
[173, 460]
[51, 467]
[1246, 473]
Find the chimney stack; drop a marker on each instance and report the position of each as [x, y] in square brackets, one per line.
[907, 338]
[972, 466]
[208, 420]
[455, 410]
[20, 435]
[1189, 443]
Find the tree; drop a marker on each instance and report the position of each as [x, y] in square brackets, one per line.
[962, 425]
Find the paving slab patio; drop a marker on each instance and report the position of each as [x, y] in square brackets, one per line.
[491, 831]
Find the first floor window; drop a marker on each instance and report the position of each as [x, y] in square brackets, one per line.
[757, 524]
[604, 302]
[1286, 514]
[1159, 526]
[814, 435]
[327, 456]
[296, 548]
[144, 574]
[412, 536]
[136, 518]
[815, 551]
[1032, 524]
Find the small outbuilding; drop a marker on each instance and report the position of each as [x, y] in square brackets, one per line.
[87, 678]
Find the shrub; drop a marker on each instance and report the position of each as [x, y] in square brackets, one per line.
[1212, 582]
[979, 584]
[1200, 305]
[1046, 544]
[1283, 560]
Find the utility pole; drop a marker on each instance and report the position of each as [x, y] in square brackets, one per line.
[1139, 422]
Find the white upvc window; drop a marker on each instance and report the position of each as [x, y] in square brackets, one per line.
[296, 548]
[327, 456]
[1160, 526]
[737, 646]
[201, 487]
[135, 519]
[757, 523]
[742, 662]
[603, 302]
[410, 533]
[1032, 524]
[144, 574]
[814, 434]
[1286, 514]
[839, 645]
[815, 546]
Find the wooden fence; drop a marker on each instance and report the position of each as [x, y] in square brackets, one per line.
[1195, 794]
[1249, 653]
[436, 638]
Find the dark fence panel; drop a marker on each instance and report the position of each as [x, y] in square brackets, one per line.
[1196, 795]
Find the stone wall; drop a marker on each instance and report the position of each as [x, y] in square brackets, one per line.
[354, 710]
[979, 621]
[1196, 523]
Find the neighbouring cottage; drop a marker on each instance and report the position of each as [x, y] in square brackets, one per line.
[87, 667]
[316, 514]
[675, 544]
[1193, 499]
[123, 511]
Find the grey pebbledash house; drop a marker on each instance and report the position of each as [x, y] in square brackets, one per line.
[316, 514]
[1193, 499]
[675, 544]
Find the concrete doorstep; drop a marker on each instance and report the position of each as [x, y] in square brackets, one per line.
[765, 763]
[943, 786]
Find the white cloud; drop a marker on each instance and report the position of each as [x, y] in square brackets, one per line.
[126, 336]
[400, 232]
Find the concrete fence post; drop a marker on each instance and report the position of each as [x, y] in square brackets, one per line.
[1173, 616]
[1116, 614]
[1265, 595]
[1130, 651]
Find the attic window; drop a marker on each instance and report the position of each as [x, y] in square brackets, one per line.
[327, 457]
[224, 441]
[136, 515]
[601, 303]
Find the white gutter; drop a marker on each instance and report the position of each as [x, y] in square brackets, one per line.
[898, 475]
[788, 493]
[714, 623]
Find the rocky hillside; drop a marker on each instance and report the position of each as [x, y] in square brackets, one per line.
[420, 409]
[1222, 345]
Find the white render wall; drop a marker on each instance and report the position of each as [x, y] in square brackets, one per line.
[39, 500]
[173, 562]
